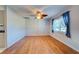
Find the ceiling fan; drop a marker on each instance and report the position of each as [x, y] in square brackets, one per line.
[40, 15]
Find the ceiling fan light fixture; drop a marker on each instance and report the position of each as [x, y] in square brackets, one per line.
[39, 15]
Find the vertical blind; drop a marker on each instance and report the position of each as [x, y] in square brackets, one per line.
[52, 25]
[66, 18]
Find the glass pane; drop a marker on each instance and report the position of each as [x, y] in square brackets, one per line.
[59, 25]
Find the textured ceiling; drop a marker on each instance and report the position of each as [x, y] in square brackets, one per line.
[29, 10]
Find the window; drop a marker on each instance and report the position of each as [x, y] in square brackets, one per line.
[59, 25]
[62, 24]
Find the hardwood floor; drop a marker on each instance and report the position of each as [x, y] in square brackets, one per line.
[39, 45]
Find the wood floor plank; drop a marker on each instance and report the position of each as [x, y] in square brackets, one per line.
[39, 45]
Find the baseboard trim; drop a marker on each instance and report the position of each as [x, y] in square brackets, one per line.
[64, 43]
[37, 35]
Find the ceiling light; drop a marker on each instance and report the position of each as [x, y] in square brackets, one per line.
[40, 15]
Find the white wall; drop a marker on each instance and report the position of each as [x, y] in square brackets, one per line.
[35, 27]
[18, 27]
[75, 23]
[74, 41]
[15, 27]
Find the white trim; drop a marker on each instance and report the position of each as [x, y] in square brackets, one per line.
[67, 42]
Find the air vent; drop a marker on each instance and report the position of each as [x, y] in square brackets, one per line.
[26, 17]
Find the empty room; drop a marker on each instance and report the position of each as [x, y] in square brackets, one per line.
[39, 29]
